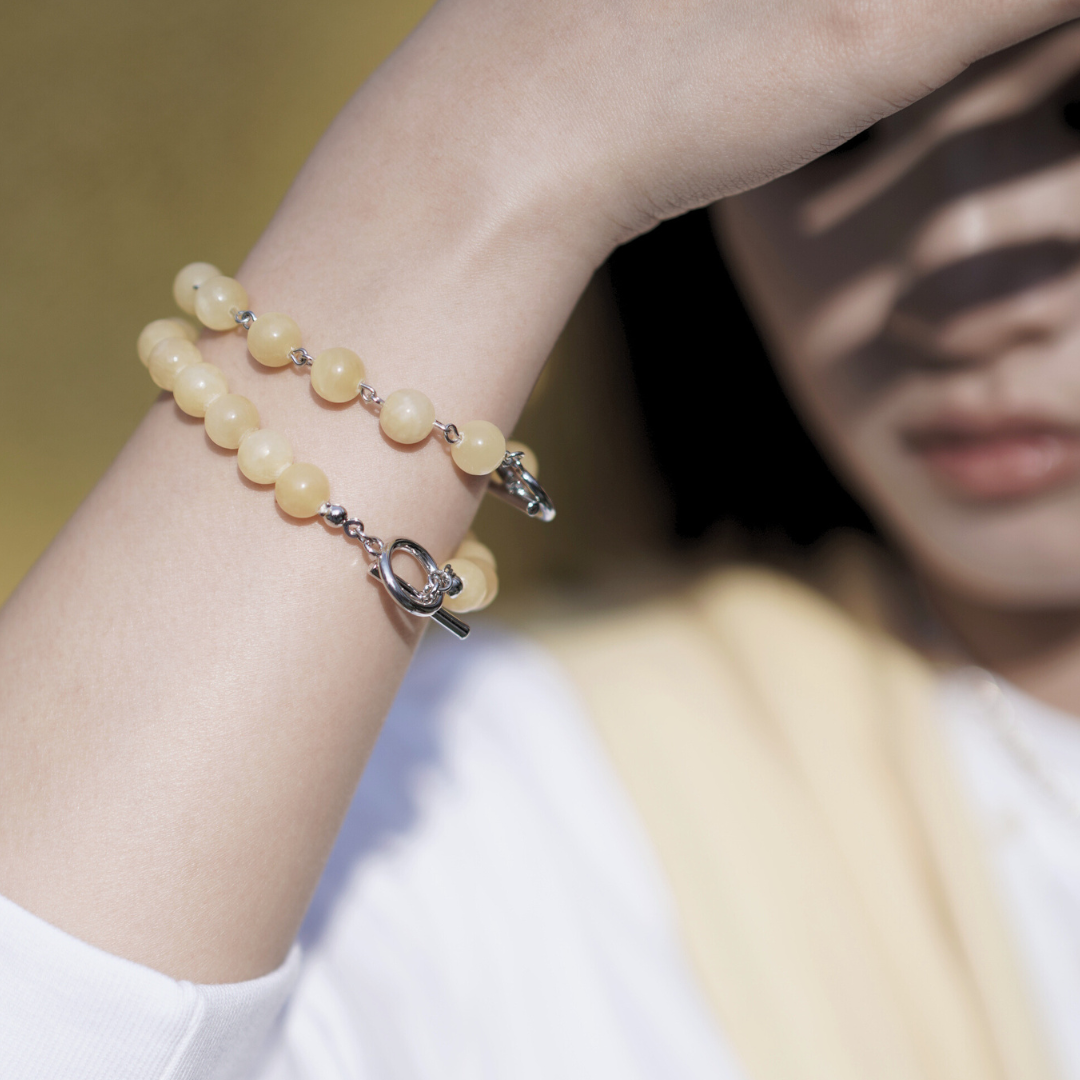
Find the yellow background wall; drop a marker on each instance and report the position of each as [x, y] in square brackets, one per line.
[140, 136]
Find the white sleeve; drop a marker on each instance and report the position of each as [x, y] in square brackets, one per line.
[70, 1010]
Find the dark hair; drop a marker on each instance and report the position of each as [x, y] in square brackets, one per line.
[692, 345]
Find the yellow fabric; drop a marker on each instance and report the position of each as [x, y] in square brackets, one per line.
[831, 891]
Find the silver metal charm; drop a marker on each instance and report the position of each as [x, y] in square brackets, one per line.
[427, 602]
[512, 483]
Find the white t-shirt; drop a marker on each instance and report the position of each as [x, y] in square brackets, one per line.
[1020, 762]
[491, 909]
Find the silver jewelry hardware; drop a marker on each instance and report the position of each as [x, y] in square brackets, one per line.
[449, 432]
[370, 396]
[514, 484]
[425, 603]
[428, 603]
[246, 319]
[301, 357]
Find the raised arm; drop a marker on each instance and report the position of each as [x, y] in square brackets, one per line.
[191, 682]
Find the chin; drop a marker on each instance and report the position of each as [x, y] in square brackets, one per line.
[1025, 558]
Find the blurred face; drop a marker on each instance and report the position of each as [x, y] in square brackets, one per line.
[920, 291]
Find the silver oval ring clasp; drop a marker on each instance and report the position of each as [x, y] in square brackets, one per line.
[514, 484]
[426, 603]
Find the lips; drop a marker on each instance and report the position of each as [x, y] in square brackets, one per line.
[994, 460]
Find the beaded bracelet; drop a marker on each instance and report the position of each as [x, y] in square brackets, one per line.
[167, 347]
[338, 375]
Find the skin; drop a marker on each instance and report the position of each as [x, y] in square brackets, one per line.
[192, 683]
[920, 293]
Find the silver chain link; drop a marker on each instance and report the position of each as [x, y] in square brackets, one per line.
[370, 396]
[449, 432]
[246, 319]
[301, 357]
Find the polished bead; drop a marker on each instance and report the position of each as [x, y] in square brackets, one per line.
[492, 580]
[198, 385]
[229, 418]
[263, 456]
[528, 458]
[336, 375]
[272, 337]
[474, 587]
[407, 416]
[301, 489]
[216, 299]
[471, 548]
[481, 449]
[187, 282]
[169, 357]
[159, 330]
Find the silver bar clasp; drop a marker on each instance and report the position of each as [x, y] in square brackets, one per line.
[513, 484]
[426, 602]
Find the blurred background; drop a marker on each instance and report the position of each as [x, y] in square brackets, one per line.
[142, 136]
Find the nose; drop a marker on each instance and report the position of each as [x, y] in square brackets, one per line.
[995, 268]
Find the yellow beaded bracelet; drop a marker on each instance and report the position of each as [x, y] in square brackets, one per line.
[338, 375]
[302, 490]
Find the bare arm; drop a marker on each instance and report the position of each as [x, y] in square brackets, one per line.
[191, 682]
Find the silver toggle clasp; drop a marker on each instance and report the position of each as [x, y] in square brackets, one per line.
[515, 485]
[426, 602]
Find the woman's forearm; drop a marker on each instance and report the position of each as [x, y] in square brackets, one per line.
[191, 681]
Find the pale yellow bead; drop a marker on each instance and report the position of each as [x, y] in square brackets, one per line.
[336, 375]
[169, 357]
[492, 580]
[407, 416]
[471, 548]
[263, 456]
[474, 587]
[216, 299]
[159, 330]
[229, 418]
[301, 489]
[528, 458]
[197, 386]
[481, 449]
[188, 281]
[272, 337]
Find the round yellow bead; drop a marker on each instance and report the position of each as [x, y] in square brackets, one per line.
[492, 580]
[474, 587]
[229, 418]
[169, 357]
[197, 386]
[188, 281]
[272, 337]
[407, 416]
[301, 489]
[159, 330]
[471, 548]
[481, 449]
[528, 458]
[263, 456]
[216, 299]
[336, 375]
